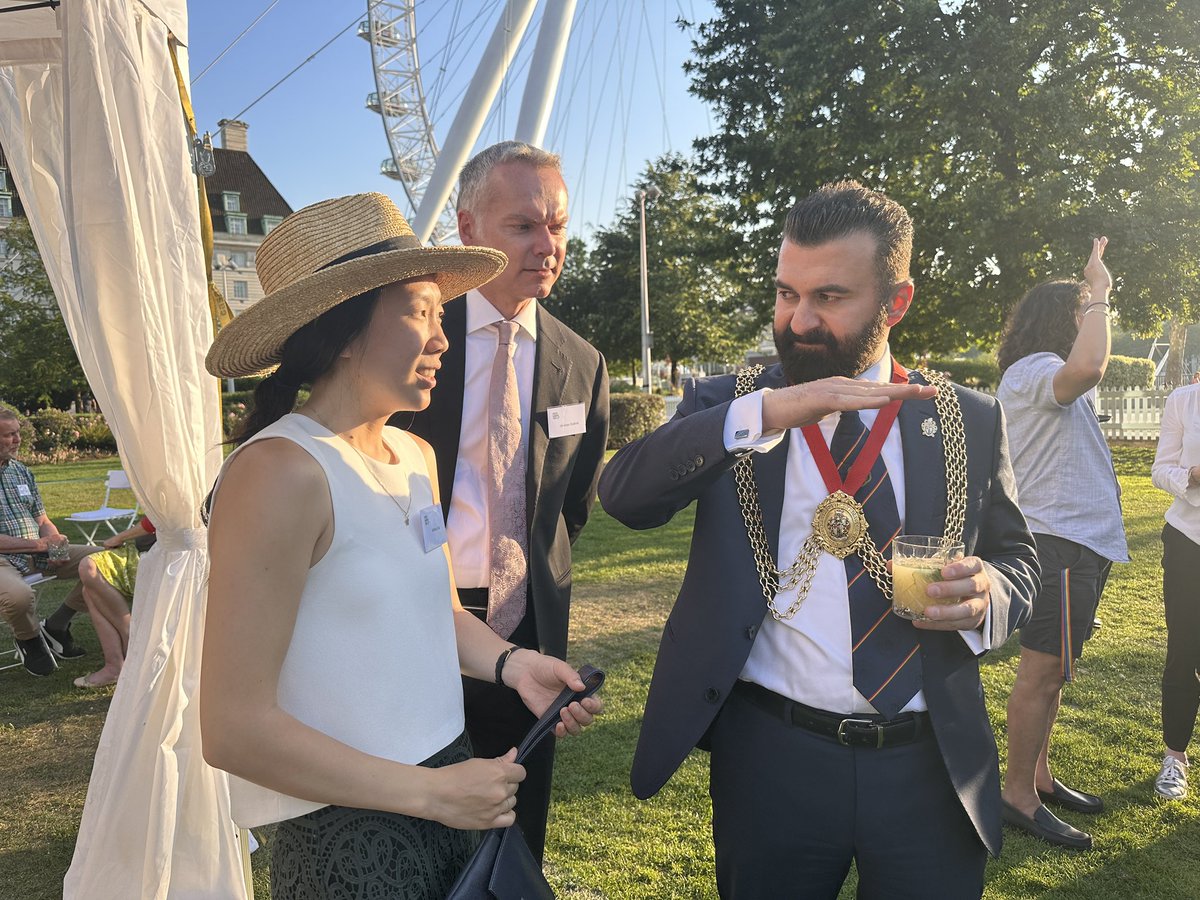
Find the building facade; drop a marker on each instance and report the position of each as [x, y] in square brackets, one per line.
[245, 206]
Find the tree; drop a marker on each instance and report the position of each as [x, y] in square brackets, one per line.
[38, 365]
[576, 301]
[701, 299]
[1012, 130]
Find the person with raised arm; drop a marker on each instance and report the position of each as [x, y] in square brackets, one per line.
[1053, 354]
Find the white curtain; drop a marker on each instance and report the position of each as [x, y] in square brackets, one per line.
[91, 123]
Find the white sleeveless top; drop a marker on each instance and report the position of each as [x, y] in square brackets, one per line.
[373, 660]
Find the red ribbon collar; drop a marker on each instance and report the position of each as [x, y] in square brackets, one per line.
[858, 473]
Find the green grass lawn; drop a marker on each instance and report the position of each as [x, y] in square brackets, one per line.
[605, 844]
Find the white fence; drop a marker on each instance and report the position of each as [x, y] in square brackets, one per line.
[1135, 414]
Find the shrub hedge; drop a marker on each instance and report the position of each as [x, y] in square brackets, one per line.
[980, 372]
[1128, 372]
[1124, 372]
[235, 405]
[632, 416]
[94, 433]
[54, 430]
[55, 435]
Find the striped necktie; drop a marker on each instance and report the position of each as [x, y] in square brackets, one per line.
[887, 661]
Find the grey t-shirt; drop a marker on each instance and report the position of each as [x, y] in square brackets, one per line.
[1066, 485]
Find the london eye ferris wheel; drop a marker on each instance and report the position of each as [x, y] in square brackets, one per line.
[426, 171]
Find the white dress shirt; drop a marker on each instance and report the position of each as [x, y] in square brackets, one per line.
[808, 656]
[1179, 450]
[467, 525]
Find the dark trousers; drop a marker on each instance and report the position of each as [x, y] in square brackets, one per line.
[498, 720]
[792, 809]
[1181, 600]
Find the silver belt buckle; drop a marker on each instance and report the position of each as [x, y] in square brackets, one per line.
[841, 731]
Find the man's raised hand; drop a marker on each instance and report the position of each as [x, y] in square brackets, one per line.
[805, 404]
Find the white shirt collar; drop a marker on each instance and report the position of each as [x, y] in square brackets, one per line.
[481, 314]
[881, 372]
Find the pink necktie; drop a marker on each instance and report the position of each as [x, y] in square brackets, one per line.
[506, 491]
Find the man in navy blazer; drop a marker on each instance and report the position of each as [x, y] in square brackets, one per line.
[512, 197]
[807, 774]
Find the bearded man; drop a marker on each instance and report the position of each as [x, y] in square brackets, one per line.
[838, 732]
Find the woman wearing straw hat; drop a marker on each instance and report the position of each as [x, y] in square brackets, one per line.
[332, 698]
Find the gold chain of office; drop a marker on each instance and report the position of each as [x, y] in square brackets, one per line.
[839, 523]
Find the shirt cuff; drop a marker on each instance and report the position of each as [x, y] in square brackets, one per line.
[1189, 493]
[743, 425]
[977, 642]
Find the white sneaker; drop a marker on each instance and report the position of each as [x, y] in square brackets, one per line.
[1172, 780]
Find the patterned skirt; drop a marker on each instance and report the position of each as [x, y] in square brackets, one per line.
[340, 853]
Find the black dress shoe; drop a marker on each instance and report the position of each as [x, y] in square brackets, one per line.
[1068, 798]
[1047, 826]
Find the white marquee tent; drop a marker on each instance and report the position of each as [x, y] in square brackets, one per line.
[94, 132]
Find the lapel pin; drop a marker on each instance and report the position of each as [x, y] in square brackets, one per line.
[929, 427]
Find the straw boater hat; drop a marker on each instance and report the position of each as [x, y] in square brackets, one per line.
[329, 252]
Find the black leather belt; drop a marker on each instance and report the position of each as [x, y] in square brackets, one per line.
[475, 600]
[856, 730]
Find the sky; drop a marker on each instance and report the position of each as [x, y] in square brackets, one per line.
[622, 99]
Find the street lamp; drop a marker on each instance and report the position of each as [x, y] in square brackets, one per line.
[223, 264]
[644, 194]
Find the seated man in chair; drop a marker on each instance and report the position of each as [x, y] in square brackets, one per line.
[26, 534]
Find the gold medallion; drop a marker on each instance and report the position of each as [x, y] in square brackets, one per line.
[839, 524]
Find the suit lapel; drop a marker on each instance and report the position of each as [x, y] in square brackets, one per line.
[551, 366]
[770, 471]
[924, 465]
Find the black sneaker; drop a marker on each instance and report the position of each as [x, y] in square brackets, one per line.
[61, 643]
[35, 656]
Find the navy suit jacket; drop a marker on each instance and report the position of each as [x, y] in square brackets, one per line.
[720, 607]
[561, 474]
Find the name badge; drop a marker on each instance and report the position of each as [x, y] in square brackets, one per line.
[566, 420]
[433, 527]
[23, 491]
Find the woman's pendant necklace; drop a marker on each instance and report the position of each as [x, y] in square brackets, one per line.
[367, 465]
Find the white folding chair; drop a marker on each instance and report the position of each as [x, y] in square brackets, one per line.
[93, 519]
[35, 580]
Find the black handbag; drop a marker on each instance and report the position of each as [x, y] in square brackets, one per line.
[502, 868]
